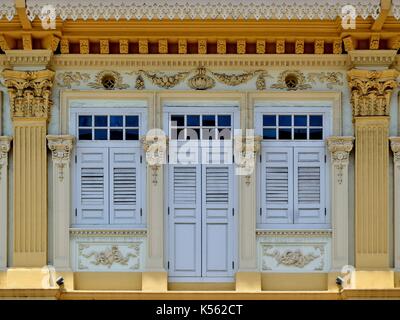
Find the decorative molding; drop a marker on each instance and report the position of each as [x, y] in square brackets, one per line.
[69, 78]
[330, 78]
[260, 47]
[337, 46]
[202, 46]
[27, 41]
[123, 46]
[64, 47]
[104, 46]
[98, 84]
[143, 46]
[319, 46]
[237, 79]
[193, 10]
[371, 58]
[60, 147]
[5, 145]
[294, 233]
[182, 46]
[371, 91]
[28, 58]
[163, 46]
[301, 81]
[107, 232]
[374, 42]
[246, 150]
[155, 147]
[188, 62]
[280, 46]
[292, 257]
[165, 81]
[340, 148]
[201, 81]
[84, 46]
[299, 49]
[139, 83]
[241, 46]
[395, 146]
[29, 92]
[221, 46]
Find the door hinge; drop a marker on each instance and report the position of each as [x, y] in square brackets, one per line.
[168, 210]
[260, 158]
[233, 158]
[141, 159]
[76, 212]
[233, 265]
[233, 212]
[260, 212]
[325, 211]
[141, 212]
[76, 158]
[325, 158]
[168, 265]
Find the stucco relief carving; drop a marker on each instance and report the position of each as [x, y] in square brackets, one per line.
[371, 91]
[29, 92]
[5, 144]
[69, 78]
[298, 81]
[163, 80]
[155, 147]
[330, 78]
[292, 257]
[246, 150]
[60, 147]
[395, 145]
[99, 79]
[201, 81]
[340, 148]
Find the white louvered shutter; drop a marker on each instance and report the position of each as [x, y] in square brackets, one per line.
[185, 220]
[125, 186]
[217, 220]
[92, 185]
[277, 185]
[309, 183]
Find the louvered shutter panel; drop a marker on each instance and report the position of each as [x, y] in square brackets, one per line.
[217, 219]
[125, 186]
[277, 185]
[185, 220]
[309, 183]
[92, 185]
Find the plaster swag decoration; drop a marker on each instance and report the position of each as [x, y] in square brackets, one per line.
[294, 257]
[118, 80]
[60, 147]
[330, 78]
[296, 78]
[110, 256]
[340, 148]
[201, 9]
[163, 80]
[29, 92]
[201, 81]
[246, 150]
[155, 147]
[371, 91]
[236, 79]
[5, 144]
[69, 78]
[395, 145]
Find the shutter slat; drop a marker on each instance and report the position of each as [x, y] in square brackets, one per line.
[217, 185]
[184, 184]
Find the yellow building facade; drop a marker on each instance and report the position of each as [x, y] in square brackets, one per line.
[99, 105]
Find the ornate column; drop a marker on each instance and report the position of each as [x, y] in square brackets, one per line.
[371, 93]
[5, 143]
[60, 147]
[395, 144]
[340, 148]
[30, 103]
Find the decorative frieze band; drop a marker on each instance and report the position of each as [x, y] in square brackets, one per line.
[371, 91]
[29, 92]
[107, 233]
[340, 148]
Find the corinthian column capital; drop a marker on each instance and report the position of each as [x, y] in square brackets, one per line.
[60, 147]
[29, 92]
[5, 143]
[371, 91]
[340, 148]
[395, 145]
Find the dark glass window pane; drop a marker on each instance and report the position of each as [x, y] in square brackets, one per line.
[85, 134]
[300, 134]
[193, 121]
[316, 134]
[100, 121]
[209, 120]
[192, 134]
[132, 121]
[285, 121]
[116, 134]
[316, 121]
[100, 134]
[132, 134]
[269, 134]
[300, 121]
[224, 133]
[224, 121]
[178, 121]
[285, 134]
[269, 121]
[116, 121]
[85, 121]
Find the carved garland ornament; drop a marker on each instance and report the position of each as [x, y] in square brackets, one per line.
[29, 92]
[293, 257]
[340, 148]
[5, 143]
[330, 78]
[165, 81]
[60, 147]
[101, 76]
[371, 91]
[69, 78]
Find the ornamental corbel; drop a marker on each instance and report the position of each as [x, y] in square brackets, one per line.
[340, 148]
[60, 147]
[155, 147]
[29, 92]
[5, 144]
[395, 145]
[246, 150]
[371, 91]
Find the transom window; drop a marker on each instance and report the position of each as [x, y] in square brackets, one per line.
[204, 127]
[293, 127]
[108, 127]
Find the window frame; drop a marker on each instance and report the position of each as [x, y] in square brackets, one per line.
[300, 108]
